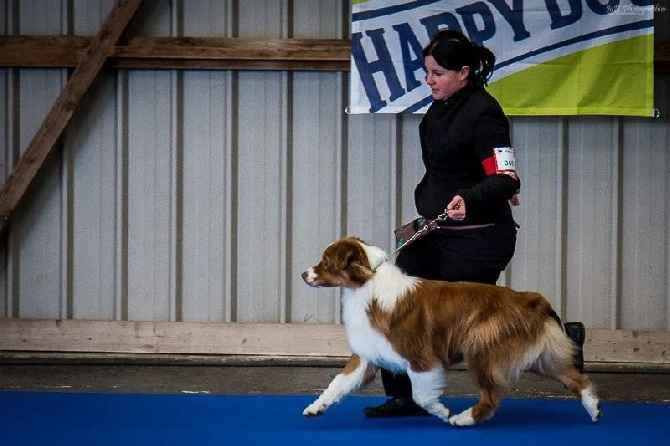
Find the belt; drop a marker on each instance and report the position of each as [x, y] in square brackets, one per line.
[465, 227]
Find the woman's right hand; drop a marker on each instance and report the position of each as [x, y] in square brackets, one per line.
[456, 208]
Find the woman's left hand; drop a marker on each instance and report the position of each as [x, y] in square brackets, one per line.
[456, 208]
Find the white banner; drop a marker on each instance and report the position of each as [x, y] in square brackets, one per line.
[553, 56]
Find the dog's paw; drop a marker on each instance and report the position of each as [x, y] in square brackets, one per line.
[314, 410]
[463, 419]
[439, 410]
[597, 413]
[591, 403]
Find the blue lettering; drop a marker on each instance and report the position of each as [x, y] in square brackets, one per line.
[468, 14]
[412, 54]
[367, 68]
[558, 20]
[513, 16]
[433, 23]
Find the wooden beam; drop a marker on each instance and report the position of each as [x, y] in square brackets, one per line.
[233, 54]
[205, 53]
[43, 51]
[88, 67]
[235, 49]
[173, 337]
[182, 53]
[311, 340]
[624, 346]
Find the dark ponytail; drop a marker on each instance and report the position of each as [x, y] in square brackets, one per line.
[453, 50]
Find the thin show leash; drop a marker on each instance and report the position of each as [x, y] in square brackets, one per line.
[427, 226]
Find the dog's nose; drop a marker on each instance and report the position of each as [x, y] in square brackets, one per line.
[308, 277]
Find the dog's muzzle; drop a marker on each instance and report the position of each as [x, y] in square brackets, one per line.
[309, 277]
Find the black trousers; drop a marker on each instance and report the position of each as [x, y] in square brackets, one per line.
[473, 255]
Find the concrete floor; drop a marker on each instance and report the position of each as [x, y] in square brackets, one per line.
[269, 377]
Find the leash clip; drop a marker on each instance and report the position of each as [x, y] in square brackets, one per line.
[424, 226]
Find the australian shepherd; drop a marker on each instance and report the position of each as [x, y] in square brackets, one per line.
[420, 327]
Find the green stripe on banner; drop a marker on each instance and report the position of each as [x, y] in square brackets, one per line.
[604, 80]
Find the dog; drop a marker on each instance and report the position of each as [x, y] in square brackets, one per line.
[420, 327]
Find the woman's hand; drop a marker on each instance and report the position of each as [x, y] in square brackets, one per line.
[456, 208]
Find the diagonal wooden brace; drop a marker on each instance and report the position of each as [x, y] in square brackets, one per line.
[88, 68]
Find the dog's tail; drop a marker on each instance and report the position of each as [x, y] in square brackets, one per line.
[554, 351]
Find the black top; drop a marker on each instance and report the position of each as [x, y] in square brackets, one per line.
[456, 136]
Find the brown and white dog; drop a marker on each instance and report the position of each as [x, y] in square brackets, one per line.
[407, 324]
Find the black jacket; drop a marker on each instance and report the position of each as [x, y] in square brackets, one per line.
[456, 136]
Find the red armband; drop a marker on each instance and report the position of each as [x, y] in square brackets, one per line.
[501, 162]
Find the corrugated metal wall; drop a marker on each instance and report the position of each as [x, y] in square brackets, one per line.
[202, 195]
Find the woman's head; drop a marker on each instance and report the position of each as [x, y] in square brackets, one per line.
[453, 55]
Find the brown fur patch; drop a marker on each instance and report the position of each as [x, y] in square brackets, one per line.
[445, 322]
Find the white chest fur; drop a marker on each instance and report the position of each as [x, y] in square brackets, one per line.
[364, 340]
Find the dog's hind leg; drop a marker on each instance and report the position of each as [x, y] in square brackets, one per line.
[579, 384]
[427, 388]
[356, 374]
[489, 400]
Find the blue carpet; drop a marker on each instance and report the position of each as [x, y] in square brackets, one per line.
[97, 419]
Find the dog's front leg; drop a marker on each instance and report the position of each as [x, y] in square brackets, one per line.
[356, 374]
[427, 388]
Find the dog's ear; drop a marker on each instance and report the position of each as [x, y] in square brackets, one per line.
[357, 267]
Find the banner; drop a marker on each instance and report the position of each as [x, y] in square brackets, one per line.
[553, 57]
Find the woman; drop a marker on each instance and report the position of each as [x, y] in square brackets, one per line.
[466, 150]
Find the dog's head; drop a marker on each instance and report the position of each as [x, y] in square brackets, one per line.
[348, 262]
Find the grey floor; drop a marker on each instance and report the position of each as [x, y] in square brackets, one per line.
[268, 377]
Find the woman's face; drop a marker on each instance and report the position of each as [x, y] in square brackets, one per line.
[444, 83]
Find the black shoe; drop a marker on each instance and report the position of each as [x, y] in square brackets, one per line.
[576, 332]
[395, 407]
